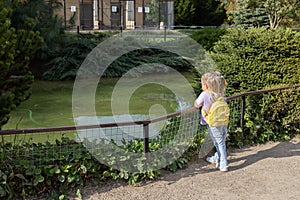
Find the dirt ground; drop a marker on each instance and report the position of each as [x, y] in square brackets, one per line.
[268, 171]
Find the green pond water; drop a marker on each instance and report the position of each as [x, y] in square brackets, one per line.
[50, 104]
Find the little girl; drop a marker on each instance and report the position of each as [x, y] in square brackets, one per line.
[213, 86]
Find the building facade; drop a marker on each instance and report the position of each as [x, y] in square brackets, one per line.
[116, 14]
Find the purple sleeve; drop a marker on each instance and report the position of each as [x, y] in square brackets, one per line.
[205, 101]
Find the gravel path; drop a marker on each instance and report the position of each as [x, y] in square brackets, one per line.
[268, 171]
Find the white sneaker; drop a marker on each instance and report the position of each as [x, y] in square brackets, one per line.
[224, 170]
[211, 160]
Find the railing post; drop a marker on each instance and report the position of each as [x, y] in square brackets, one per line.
[146, 137]
[242, 122]
[78, 28]
[121, 30]
[165, 33]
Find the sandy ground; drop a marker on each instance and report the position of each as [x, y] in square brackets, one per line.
[268, 171]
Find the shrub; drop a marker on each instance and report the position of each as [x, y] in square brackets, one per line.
[55, 170]
[256, 59]
[207, 37]
[146, 56]
[65, 61]
[31, 169]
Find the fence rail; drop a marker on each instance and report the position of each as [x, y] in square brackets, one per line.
[145, 123]
[243, 100]
[262, 91]
[82, 127]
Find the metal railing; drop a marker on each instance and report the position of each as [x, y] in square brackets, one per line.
[192, 118]
[144, 123]
[245, 94]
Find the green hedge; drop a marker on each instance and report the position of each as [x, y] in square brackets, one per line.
[207, 37]
[254, 59]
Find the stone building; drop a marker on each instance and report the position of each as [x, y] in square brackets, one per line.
[116, 14]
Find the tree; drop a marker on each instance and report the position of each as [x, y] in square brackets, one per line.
[17, 45]
[184, 11]
[258, 12]
[199, 12]
[153, 15]
[250, 16]
[45, 21]
[209, 13]
[280, 9]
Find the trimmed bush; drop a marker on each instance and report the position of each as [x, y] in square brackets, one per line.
[254, 59]
[207, 37]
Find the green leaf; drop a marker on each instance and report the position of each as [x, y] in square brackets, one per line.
[78, 194]
[55, 170]
[38, 180]
[2, 192]
[61, 197]
[66, 168]
[30, 171]
[61, 178]
[21, 176]
[106, 174]
[37, 171]
[70, 178]
[4, 177]
[83, 169]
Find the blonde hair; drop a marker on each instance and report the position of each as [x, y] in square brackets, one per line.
[205, 77]
[215, 82]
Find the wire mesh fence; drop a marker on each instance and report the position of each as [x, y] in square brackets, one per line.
[52, 145]
[174, 131]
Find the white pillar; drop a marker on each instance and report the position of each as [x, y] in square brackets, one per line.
[95, 14]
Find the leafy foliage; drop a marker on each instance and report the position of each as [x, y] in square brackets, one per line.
[256, 13]
[250, 17]
[257, 59]
[17, 45]
[42, 13]
[207, 37]
[37, 168]
[53, 170]
[254, 59]
[276, 117]
[143, 56]
[199, 13]
[65, 61]
[279, 10]
[184, 11]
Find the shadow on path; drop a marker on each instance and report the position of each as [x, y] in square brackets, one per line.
[285, 149]
[240, 158]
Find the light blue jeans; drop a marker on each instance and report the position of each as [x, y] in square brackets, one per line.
[218, 135]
